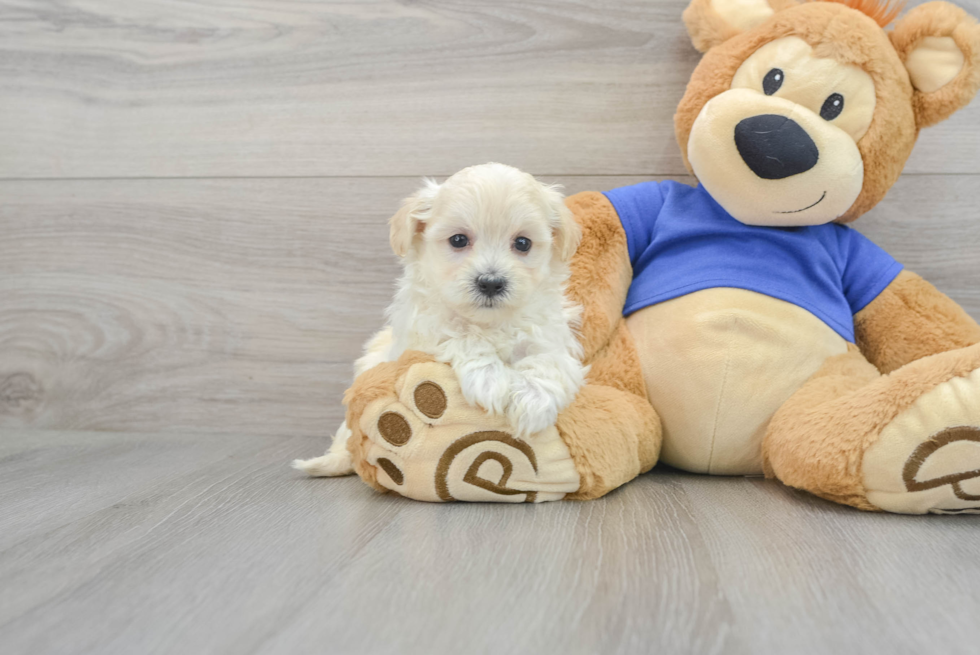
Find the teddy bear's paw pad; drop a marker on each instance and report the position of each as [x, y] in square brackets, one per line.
[427, 443]
[928, 458]
[430, 399]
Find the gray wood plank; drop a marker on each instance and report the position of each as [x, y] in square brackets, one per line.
[207, 297]
[242, 555]
[98, 88]
[795, 564]
[238, 306]
[50, 479]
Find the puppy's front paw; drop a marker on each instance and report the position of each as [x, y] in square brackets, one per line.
[487, 386]
[532, 407]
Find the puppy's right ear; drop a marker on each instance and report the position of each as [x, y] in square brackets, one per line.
[409, 221]
[565, 230]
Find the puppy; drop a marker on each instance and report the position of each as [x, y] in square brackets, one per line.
[485, 266]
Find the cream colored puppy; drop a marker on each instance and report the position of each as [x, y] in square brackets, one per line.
[486, 262]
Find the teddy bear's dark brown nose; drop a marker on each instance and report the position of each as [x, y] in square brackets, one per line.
[775, 147]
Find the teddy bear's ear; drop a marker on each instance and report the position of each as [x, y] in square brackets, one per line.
[939, 44]
[710, 22]
[409, 221]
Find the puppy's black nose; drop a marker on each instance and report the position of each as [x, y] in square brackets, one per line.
[775, 147]
[491, 285]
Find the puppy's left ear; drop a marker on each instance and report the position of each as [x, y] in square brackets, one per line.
[565, 230]
[409, 221]
[939, 44]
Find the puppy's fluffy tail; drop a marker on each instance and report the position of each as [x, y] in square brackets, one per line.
[330, 465]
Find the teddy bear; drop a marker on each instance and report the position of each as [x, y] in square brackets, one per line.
[740, 327]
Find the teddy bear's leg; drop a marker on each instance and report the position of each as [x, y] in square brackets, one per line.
[904, 442]
[414, 434]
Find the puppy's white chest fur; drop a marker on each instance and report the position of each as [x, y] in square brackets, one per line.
[546, 325]
[526, 363]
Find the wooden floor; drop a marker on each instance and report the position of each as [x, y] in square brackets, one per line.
[185, 543]
[193, 199]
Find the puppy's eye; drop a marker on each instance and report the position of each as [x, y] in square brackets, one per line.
[772, 81]
[832, 107]
[459, 241]
[522, 243]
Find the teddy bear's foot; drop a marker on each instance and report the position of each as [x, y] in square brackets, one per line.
[425, 442]
[927, 459]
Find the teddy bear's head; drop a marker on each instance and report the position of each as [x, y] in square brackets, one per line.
[803, 114]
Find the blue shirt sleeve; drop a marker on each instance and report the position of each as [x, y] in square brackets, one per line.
[866, 268]
[638, 207]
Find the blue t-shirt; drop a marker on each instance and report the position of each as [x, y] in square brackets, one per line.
[681, 240]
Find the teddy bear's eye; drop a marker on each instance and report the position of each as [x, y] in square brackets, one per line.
[832, 107]
[772, 81]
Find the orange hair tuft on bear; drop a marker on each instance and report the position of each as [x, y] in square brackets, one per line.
[880, 11]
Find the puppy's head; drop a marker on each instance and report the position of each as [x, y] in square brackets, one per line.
[485, 239]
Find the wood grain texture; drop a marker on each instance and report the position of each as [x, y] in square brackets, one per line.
[221, 549]
[238, 305]
[99, 88]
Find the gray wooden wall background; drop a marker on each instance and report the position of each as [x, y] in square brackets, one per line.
[193, 195]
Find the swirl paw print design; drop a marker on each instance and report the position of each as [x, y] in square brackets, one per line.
[429, 444]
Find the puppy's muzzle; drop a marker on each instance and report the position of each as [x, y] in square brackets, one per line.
[491, 286]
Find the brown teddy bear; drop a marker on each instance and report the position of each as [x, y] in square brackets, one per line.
[761, 334]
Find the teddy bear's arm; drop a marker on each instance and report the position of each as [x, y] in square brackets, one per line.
[601, 270]
[611, 430]
[909, 320]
